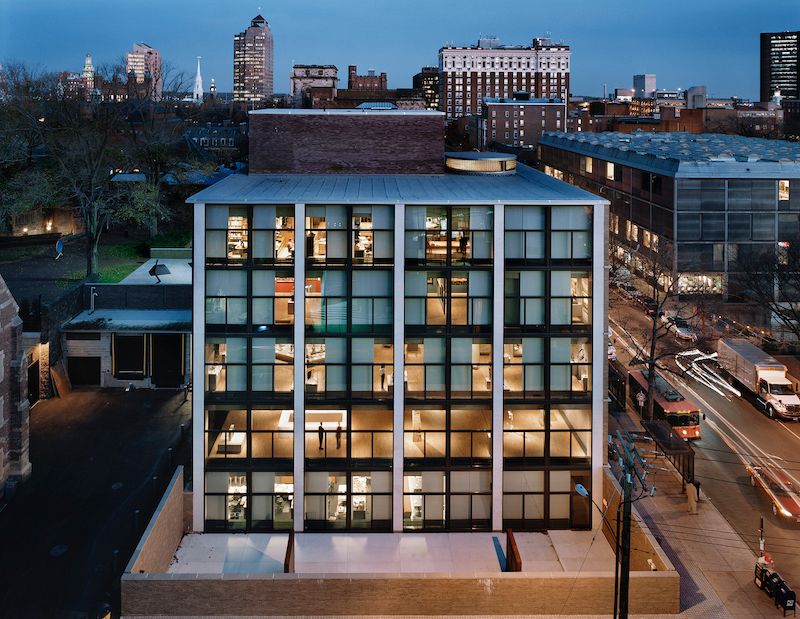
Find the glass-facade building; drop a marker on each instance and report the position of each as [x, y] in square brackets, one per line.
[397, 352]
[703, 206]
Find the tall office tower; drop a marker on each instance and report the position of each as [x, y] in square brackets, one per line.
[644, 85]
[468, 74]
[145, 64]
[197, 95]
[388, 337]
[780, 58]
[427, 80]
[252, 63]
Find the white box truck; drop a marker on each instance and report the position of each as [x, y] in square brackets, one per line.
[762, 378]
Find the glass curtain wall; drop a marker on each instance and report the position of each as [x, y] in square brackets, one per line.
[349, 366]
[249, 355]
[448, 356]
[547, 357]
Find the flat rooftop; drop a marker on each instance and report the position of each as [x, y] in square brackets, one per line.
[343, 112]
[180, 273]
[686, 155]
[138, 320]
[527, 186]
[397, 553]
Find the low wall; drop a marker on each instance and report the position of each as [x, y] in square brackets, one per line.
[392, 594]
[643, 545]
[163, 533]
[171, 252]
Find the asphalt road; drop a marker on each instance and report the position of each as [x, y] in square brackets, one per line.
[94, 455]
[733, 431]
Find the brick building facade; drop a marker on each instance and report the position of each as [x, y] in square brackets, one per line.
[14, 408]
[519, 121]
[334, 141]
[370, 81]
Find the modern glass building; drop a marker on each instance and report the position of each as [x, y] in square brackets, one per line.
[398, 352]
[704, 207]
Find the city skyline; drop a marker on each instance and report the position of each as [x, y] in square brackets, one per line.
[682, 53]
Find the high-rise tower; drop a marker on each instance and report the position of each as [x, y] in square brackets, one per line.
[780, 64]
[143, 63]
[252, 63]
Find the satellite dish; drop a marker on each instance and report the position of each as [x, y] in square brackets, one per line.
[59, 248]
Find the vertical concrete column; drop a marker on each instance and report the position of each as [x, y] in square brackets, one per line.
[198, 367]
[399, 319]
[498, 276]
[299, 363]
[599, 357]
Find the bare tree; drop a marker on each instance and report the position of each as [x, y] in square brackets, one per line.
[154, 144]
[651, 344]
[78, 141]
[772, 283]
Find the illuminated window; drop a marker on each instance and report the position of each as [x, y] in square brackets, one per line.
[783, 190]
[609, 171]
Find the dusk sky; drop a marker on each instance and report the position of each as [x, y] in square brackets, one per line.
[685, 42]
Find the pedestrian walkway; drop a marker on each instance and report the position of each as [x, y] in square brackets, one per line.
[715, 564]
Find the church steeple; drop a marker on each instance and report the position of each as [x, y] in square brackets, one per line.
[197, 95]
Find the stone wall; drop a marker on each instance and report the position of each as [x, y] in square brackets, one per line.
[14, 406]
[320, 143]
[163, 533]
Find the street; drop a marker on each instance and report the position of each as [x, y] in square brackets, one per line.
[733, 432]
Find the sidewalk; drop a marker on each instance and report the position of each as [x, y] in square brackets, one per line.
[715, 565]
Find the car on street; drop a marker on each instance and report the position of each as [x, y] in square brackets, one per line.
[779, 488]
[680, 327]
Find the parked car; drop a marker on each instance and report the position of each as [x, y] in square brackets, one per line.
[780, 489]
[630, 291]
[612, 350]
[649, 304]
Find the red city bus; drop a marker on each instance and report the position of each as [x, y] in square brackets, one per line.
[668, 404]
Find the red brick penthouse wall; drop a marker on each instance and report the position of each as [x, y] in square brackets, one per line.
[350, 144]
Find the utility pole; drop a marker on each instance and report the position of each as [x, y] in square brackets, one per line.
[633, 471]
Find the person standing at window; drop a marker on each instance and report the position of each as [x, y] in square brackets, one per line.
[321, 434]
[383, 377]
[338, 436]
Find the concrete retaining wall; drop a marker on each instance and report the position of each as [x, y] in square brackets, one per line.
[164, 532]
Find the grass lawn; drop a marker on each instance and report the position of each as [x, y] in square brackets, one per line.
[116, 262]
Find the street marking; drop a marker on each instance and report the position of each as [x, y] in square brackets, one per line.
[792, 432]
[754, 450]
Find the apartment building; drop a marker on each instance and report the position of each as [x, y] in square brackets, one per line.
[519, 120]
[392, 338]
[489, 69]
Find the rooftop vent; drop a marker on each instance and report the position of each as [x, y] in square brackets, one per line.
[481, 164]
